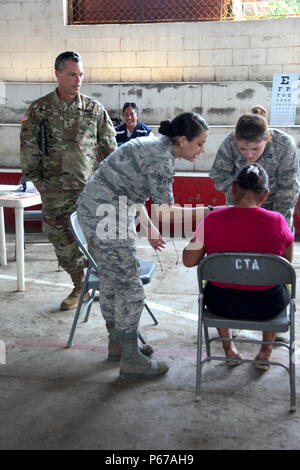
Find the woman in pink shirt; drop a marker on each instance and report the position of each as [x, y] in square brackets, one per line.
[244, 227]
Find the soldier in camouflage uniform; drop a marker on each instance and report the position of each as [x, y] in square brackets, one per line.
[76, 128]
[274, 150]
[137, 170]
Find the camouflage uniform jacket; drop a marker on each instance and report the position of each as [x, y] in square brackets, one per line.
[139, 169]
[73, 135]
[280, 161]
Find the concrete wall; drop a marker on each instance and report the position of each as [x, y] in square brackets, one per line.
[220, 69]
[220, 102]
[33, 32]
[10, 155]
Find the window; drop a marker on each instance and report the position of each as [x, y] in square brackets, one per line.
[147, 11]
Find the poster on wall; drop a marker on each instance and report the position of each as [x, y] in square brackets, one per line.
[284, 99]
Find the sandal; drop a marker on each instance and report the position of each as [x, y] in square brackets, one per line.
[234, 363]
[263, 367]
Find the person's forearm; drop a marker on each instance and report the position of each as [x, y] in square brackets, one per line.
[285, 199]
[166, 215]
[31, 164]
[289, 253]
[144, 219]
[178, 214]
[106, 136]
[106, 148]
[154, 237]
[193, 253]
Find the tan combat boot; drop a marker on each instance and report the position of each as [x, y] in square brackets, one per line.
[114, 346]
[72, 300]
[134, 364]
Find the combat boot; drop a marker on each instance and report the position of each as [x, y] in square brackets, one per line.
[134, 364]
[114, 346]
[72, 300]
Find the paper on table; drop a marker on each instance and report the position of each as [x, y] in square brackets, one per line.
[8, 188]
[30, 188]
[16, 195]
[15, 191]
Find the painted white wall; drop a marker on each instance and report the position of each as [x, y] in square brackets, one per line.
[220, 69]
[34, 32]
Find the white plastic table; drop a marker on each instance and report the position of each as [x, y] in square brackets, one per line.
[18, 202]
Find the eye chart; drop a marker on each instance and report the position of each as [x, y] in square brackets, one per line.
[284, 99]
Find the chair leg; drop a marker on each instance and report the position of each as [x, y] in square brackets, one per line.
[292, 368]
[91, 300]
[199, 366]
[76, 318]
[293, 384]
[151, 314]
[141, 337]
[207, 342]
[199, 350]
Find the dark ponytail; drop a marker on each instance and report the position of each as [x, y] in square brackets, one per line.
[188, 124]
[166, 128]
[253, 177]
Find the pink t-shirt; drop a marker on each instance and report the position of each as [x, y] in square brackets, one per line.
[246, 230]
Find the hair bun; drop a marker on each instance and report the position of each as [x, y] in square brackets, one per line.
[254, 177]
[258, 109]
[165, 128]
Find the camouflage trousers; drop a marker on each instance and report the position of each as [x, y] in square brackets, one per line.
[120, 288]
[56, 210]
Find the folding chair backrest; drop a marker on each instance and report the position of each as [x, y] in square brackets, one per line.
[246, 268]
[80, 238]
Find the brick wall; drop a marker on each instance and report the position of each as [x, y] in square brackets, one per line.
[33, 32]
